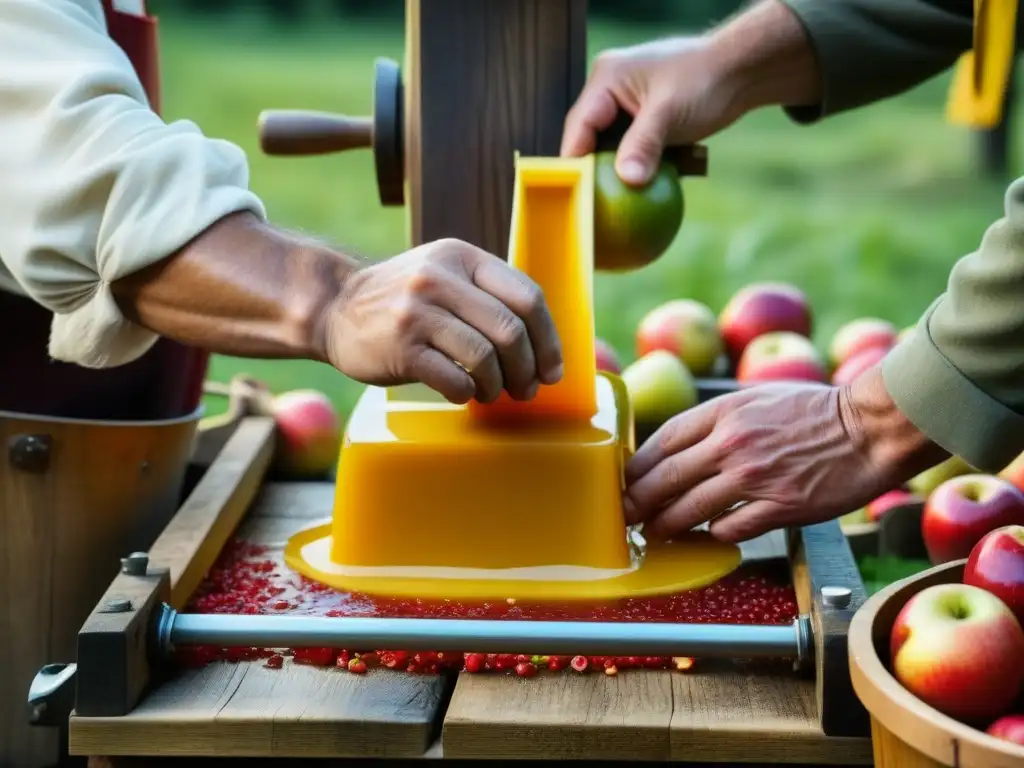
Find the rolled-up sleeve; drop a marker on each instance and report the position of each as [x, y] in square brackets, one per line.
[868, 50]
[960, 377]
[94, 186]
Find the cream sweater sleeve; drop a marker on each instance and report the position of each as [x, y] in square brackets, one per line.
[93, 184]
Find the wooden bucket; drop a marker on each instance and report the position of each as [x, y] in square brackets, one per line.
[906, 732]
[75, 497]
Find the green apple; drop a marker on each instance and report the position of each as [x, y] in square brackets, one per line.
[926, 482]
[660, 386]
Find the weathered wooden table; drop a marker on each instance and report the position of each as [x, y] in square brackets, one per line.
[720, 712]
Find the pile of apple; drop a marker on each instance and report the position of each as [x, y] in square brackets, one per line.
[763, 333]
[959, 647]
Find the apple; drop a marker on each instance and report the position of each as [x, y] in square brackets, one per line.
[857, 364]
[308, 433]
[781, 355]
[687, 329]
[930, 479]
[861, 334]
[762, 308]
[960, 650]
[962, 510]
[1014, 472]
[1008, 728]
[607, 357]
[877, 509]
[996, 564]
[659, 386]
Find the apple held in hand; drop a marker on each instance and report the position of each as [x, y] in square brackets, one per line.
[859, 335]
[858, 364]
[607, 358]
[996, 564]
[763, 308]
[961, 511]
[1014, 472]
[687, 329]
[309, 433]
[659, 386]
[878, 508]
[781, 356]
[1008, 728]
[960, 650]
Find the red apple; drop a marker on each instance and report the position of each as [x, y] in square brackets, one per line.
[858, 364]
[763, 308]
[1014, 472]
[659, 386]
[779, 356]
[961, 511]
[879, 507]
[861, 334]
[309, 433]
[997, 564]
[687, 329]
[1008, 728]
[960, 650]
[607, 357]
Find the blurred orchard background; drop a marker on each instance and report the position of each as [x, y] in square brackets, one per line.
[866, 212]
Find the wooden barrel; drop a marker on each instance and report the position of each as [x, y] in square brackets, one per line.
[75, 497]
[906, 732]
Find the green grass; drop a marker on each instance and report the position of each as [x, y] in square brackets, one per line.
[866, 212]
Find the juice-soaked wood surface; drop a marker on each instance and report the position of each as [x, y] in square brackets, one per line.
[246, 709]
[719, 712]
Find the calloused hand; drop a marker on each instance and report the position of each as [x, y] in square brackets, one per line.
[771, 456]
[676, 91]
[447, 314]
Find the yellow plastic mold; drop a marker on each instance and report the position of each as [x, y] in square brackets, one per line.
[511, 499]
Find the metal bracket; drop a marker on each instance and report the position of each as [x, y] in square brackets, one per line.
[51, 697]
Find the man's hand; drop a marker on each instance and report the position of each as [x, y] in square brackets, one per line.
[684, 89]
[449, 315]
[772, 456]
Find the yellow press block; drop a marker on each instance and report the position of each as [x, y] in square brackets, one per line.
[512, 499]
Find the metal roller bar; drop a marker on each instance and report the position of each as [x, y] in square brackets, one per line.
[531, 637]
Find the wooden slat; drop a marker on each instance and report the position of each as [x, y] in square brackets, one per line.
[728, 712]
[245, 709]
[195, 536]
[564, 716]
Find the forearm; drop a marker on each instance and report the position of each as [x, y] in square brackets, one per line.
[960, 376]
[821, 57]
[240, 288]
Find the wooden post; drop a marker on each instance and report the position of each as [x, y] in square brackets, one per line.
[483, 81]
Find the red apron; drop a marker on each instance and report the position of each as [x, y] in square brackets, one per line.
[164, 383]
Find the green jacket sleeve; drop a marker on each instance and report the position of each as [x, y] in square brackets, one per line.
[960, 377]
[868, 50]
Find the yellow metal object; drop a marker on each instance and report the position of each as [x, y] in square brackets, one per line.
[978, 91]
[436, 500]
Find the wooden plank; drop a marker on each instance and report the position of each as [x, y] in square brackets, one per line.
[732, 712]
[519, 69]
[565, 716]
[195, 536]
[830, 563]
[248, 710]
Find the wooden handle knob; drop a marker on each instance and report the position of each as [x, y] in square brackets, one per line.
[300, 132]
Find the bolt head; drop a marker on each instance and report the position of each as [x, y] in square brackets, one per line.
[836, 597]
[119, 605]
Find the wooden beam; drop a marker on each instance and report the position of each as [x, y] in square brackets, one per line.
[518, 69]
[114, 667]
